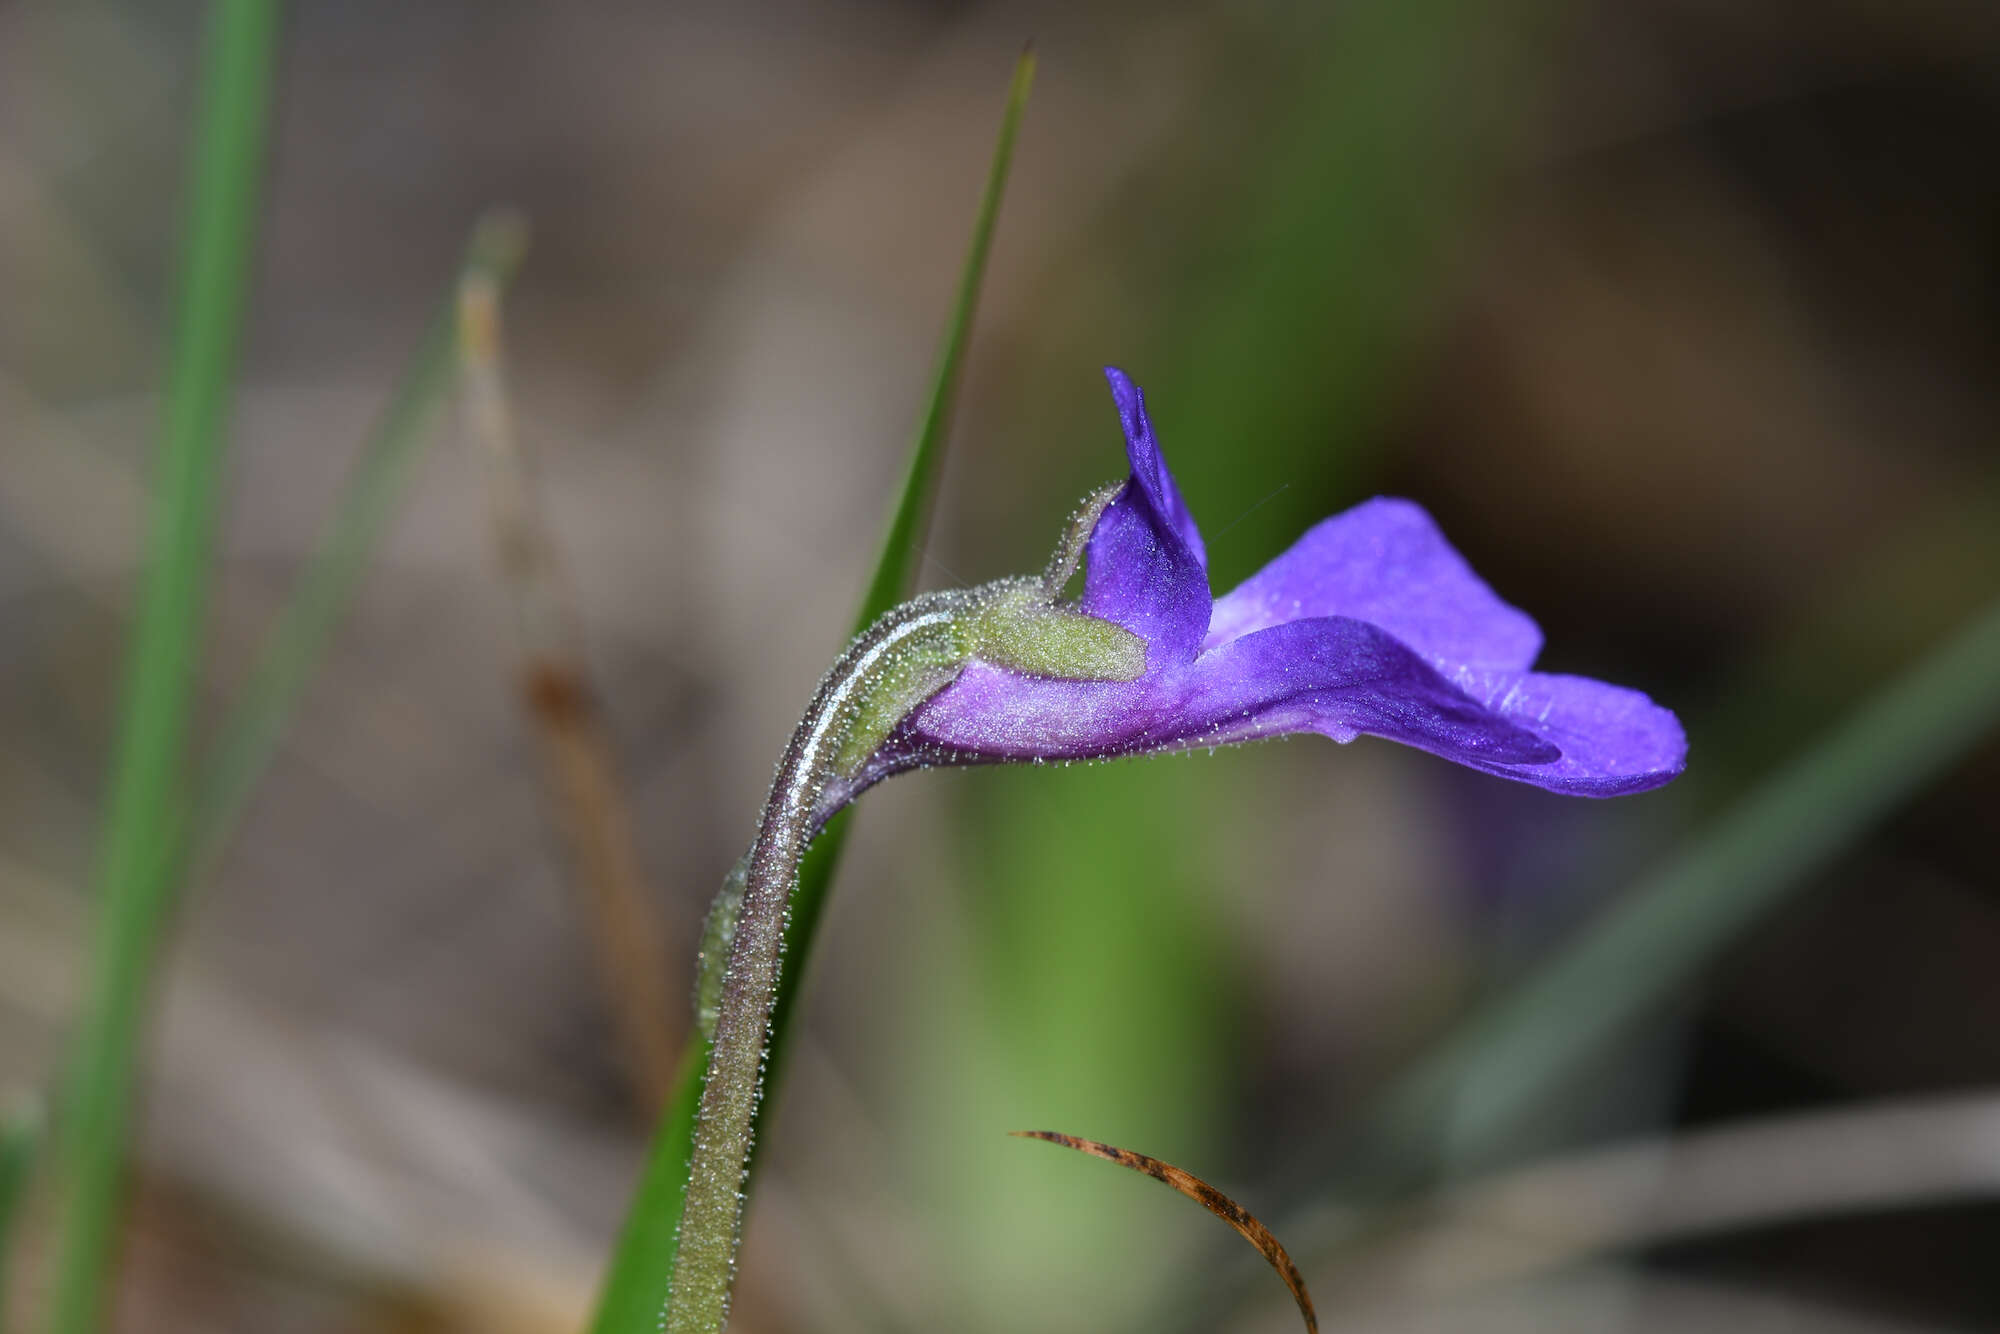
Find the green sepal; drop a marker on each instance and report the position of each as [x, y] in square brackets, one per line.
[1020, 629]
[1011, 623]
[925, 665]
[717, 935]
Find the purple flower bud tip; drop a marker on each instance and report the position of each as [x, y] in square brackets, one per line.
[1370, 623]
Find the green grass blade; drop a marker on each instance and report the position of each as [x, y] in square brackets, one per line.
[293, 647]
[20, 1136]
[1497, 1069]
[896, 565]
[142, 807]
[635, 1287]
[257, 719]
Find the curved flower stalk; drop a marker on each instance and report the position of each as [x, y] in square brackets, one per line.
[1370, 623]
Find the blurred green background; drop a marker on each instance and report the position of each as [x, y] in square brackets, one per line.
[1680, 316]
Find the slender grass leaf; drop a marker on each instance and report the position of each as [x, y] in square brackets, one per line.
[297, 641]
[20, 1138]
[896, 565]
[143, 807]
[635, 1288]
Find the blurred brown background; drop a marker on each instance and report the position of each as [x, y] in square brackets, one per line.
[1680, 316]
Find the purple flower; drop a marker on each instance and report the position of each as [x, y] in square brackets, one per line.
[1370, 623]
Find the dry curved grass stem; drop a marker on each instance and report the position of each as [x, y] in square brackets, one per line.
[1211, 1199]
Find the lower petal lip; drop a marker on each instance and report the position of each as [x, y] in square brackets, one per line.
[1332, 676]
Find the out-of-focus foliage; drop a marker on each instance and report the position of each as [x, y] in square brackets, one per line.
[1678, 316]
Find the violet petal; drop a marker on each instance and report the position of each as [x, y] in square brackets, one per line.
[1147, 569]
[1385, 562]
[1614, 741]
[1340, 677]
[1149, 464]
[1331, 675]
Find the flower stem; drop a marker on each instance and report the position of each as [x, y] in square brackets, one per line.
[922, 637]
[636, 1282]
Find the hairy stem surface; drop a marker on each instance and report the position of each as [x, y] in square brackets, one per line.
[914, 650]
[910, 654]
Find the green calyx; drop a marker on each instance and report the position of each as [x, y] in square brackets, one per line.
[1020, 629]
[1068, 555]
[718, 934]
[1026, 626]
[924, 664]
[1023, 625]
